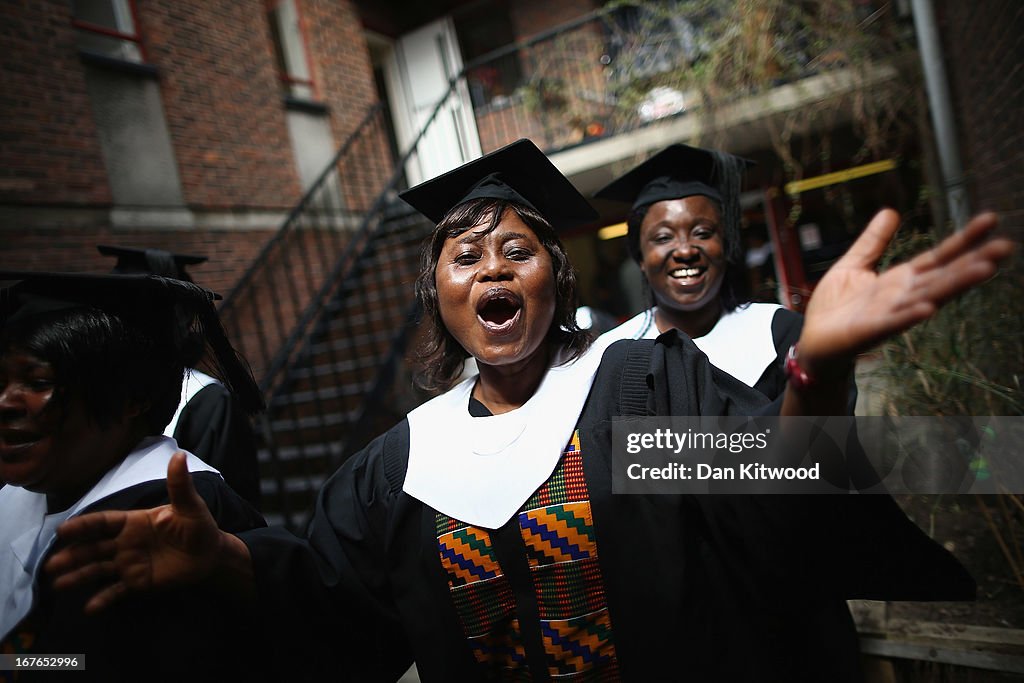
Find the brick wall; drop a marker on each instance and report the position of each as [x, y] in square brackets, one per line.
[222, 101]
[49, 151]
[220, 93]
[984, 47]
[229, 253]
[342, 69]
[534, 16]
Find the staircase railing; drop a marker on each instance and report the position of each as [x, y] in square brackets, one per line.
[268, 308]
[324, 314]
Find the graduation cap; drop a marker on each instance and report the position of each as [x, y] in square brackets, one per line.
[676, 172]
[154, 304]
[518, 173]
[681, 171]
[152, 261]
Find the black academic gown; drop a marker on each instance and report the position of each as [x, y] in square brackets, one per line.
[698, 587]
[214, 428]
[178, 635]
[786, 326]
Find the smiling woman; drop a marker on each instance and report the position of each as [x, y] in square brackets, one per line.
[684, 232]
[90, 372]
[480, 536]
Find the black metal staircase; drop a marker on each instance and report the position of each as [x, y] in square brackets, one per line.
[323, 409]
[324, 316]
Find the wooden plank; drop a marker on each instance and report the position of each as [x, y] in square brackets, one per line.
[965, 633]
[931, 653]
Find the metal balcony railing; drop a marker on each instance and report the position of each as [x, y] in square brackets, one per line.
[630, 65]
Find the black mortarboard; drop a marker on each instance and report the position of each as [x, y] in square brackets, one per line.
[518, 172]
[676, 172]
[131, 260]
[153, 303]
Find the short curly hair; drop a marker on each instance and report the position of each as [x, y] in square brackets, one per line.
[441, 357]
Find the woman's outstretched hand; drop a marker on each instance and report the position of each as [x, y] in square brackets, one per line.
[854, 307]
[123, 552]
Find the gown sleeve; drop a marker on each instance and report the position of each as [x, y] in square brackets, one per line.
[213, 427]
[798, 546]
[174, 635]
[786, 327]
[326, 599]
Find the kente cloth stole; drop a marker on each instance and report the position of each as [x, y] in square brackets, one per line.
[558, 534]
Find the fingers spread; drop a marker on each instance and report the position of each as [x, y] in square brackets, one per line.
[957, 244]
[74, 557]
[88, 574]
[869, 247]
[968, 270]
[92, 527]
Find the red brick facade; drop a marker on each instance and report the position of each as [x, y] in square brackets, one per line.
[533, 16]
[219, 84]
[229, 252]
[227, 121]
[49, 152]
[984, 47]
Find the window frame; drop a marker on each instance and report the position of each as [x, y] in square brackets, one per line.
[134, 38]
[282, 57]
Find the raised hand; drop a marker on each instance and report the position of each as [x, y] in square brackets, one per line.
[854, 307]
[121, 552]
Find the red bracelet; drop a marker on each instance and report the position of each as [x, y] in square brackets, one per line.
[798, 377]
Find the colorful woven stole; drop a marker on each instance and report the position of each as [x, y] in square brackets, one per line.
[558, 531]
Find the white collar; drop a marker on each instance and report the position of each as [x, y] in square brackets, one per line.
[481, 470]
[640, 326]
[29, 532]
[741, 342]
[193, 382]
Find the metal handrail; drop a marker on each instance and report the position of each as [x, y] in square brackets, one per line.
[307, 197]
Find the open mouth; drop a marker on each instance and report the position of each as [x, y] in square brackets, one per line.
[14, 441]
[687, 273]
[498, 309]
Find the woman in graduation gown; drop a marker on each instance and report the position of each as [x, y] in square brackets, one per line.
[90, 371]
[480, 537]
[684, 233]
[209, 422]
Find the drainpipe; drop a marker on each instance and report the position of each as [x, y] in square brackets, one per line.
[937, 85]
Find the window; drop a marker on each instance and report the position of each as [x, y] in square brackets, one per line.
[108, 28]
[483, 29]
[289, 36]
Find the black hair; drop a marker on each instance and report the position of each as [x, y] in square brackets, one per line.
[105, 360]
[441, 357]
